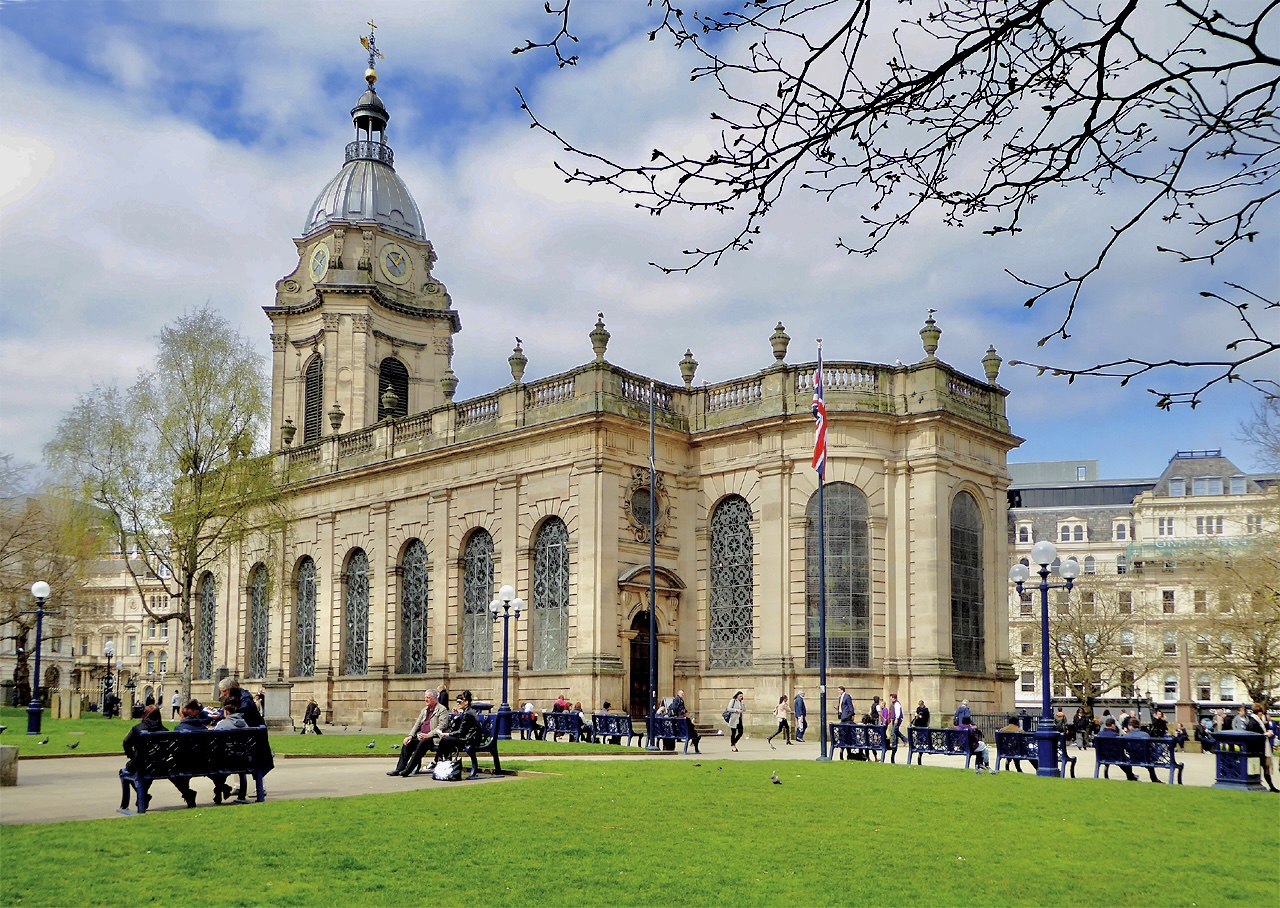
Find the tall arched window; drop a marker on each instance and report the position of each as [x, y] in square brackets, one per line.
[304, 620]
[551, 597]
[259, 621]
[206, 627]
[413, 609]
[313, 399]
[477, 588]
[393, 374]
[848, 570]
[355, 644]
[730, 635]
[967, 637]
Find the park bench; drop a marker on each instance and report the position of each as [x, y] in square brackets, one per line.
[1016, 746]
[1147, 753]
[524, 723]
[562, 723]
[605, 726]
[943, 741]
[668, 728]
[188, 755]
[851, 737]
[488, 743]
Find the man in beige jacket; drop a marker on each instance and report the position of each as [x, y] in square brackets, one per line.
[424, 736]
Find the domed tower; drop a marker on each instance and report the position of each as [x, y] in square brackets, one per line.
[361, 313]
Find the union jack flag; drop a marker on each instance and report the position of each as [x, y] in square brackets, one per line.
[820, 420]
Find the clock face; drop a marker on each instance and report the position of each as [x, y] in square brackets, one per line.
[396, 264]
[318, 262]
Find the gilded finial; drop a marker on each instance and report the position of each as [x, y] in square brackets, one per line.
[370, 44]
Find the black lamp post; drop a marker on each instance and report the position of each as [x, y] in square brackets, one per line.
[1043, 553]
[109, 650]
[40, 592]
[507, 602]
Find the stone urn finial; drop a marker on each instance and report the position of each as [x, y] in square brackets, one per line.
[389, 401]
[779, 340]
[287, 431]
[449, 383]
[930, 334]
[599, 338]
[517, 361]
[991, 363]
[335, 417]
[688, 367]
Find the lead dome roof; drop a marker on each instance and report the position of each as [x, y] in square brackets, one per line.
[367, 189]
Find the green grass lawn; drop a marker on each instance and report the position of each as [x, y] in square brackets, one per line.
[688, 832]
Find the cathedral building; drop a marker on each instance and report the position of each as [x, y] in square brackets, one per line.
[409, 509]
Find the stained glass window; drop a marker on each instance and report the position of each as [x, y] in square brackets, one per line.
[477, 589]
[848, 573]
[259, 623]
[551, 597]
[304, 621]
[413, 609]
[206, 626]
[732, 549]
[967, 636]
[355, 649]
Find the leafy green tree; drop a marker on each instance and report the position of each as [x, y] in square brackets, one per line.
[171, 460]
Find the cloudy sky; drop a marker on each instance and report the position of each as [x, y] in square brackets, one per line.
[157, 155]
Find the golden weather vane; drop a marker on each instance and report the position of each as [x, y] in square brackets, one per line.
[370, 44]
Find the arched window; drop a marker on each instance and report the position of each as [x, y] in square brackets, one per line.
[1078, 533]
[164, 661]
[206, 626]
[313, 399]
[355, 644]
[551, 597]
[259, 619]
[413, 609]
[731, 634]
[304, 620]
[477, 588]
[393, 374]
[967, 637]
[1090, 565]
[151, 663]
[848, 571]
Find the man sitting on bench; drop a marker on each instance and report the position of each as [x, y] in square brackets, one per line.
[424, 736]
[1135, 732]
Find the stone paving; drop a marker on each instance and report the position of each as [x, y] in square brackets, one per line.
[82, 788]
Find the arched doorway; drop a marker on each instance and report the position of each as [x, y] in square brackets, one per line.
[638, 703]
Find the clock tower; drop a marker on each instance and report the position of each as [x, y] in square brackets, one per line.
[361, 315]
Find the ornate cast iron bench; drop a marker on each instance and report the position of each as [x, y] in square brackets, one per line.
[564, 723]
[188, 755]
[868, 739]
[605, 725]
[1148, 753]
[953, 742]
[669, 728]
[1016, 746]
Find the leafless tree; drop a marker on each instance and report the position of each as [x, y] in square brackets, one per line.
[972, 110]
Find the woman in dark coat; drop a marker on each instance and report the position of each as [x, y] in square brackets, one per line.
[462, 732]
[151, 723]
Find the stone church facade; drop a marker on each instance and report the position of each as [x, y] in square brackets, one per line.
[410, 509]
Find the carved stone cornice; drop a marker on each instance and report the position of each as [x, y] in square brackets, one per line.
[397, 342]
[308, 343]
[379, 298]
[279, 342]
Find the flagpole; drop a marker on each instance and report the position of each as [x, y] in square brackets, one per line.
[822, 561]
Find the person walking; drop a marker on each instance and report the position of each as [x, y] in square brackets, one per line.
[802, 716]
[1259, 723]
[846, 705]
[780, 712]
[175, 704]
[895, 718]
[736, 710]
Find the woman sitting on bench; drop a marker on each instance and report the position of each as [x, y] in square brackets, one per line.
[462, 732]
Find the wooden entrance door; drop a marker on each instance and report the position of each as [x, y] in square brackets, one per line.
[638, 705]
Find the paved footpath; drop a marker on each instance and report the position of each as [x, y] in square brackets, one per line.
[85, 788]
